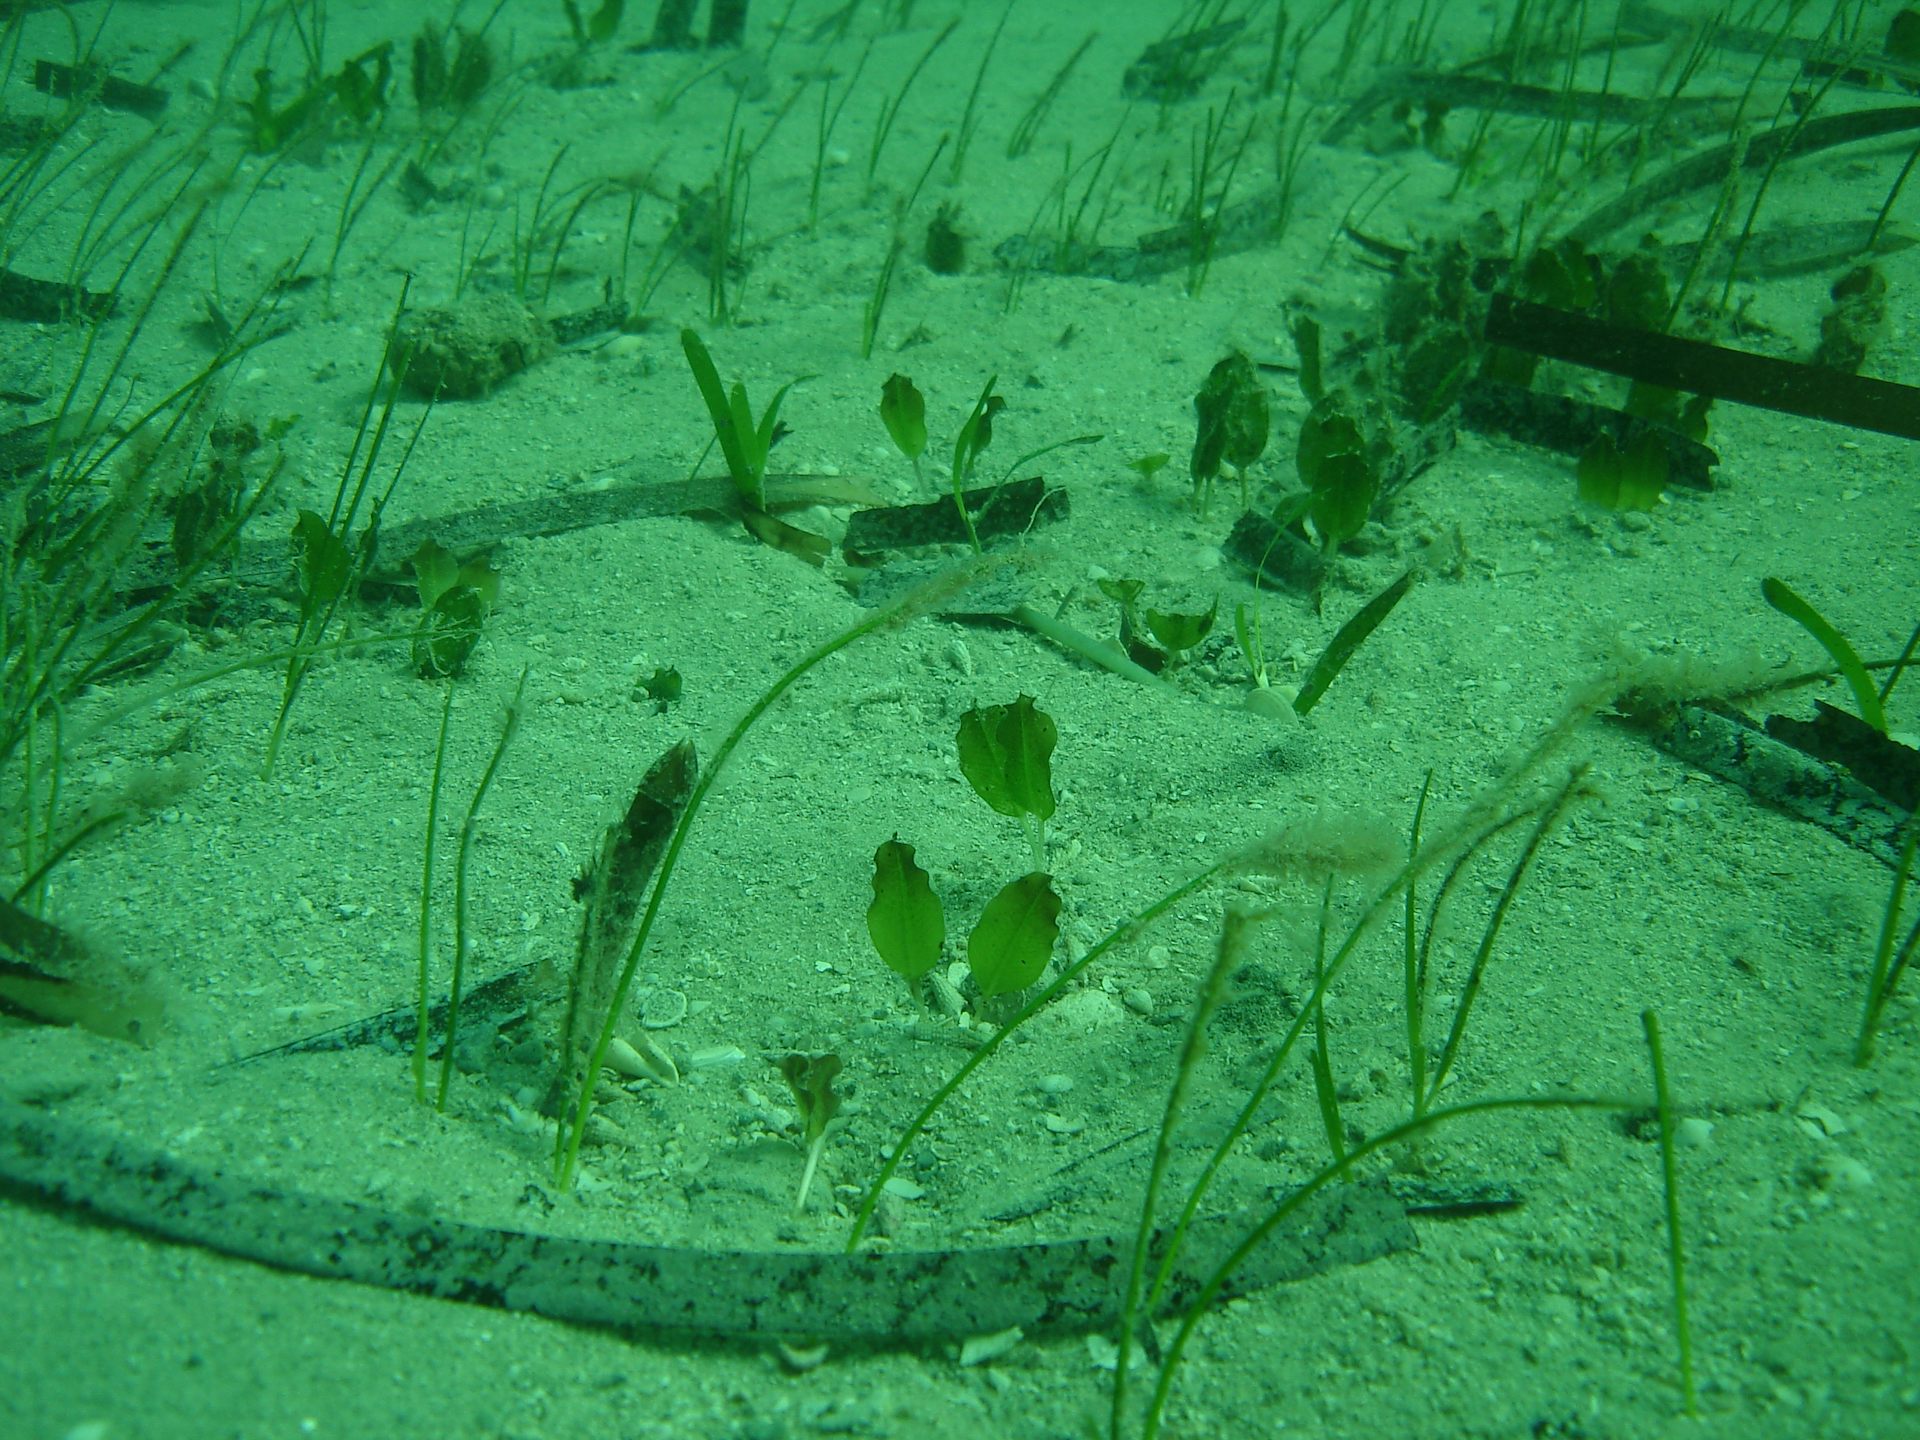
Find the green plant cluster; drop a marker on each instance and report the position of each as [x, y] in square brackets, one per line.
[455, 598]
[1006, 755]
[451, 70]
[356, 94]
[1156, 640]
[903, 410]
[596, 28]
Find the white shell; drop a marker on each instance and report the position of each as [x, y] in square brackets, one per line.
[663, 1009]
[946, 996]
[984, 1349]
[647, 1061]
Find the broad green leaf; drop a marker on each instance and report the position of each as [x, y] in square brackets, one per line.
[1629, 479]
[905, 920]
[1231, 417]
[323, 561]
[435, 570]
[1014, 938]
[810, 1078]
[1333, 462]
[479, 575]
[1181, 632]
[1124, 592]
[904, 412]
[1006, 753]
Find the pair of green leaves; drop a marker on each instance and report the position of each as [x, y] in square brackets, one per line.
[455, 599]
[976, 433]
[903, 410]
[323, 565]
[1341, 478]
[1008, 947]
[1176, 632]
[1629, 478]
[810, 1078]
[451, 81]
[1232, 420]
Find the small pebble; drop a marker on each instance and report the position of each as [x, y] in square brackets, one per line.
[1139, 1000]
[1692, 1133]
[799, 1359]
[984, 1349]
[1053, 1084]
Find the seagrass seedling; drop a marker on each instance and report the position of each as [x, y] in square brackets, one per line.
[1341, 477]
[455, 600]
[597, 28]
[1624, 478]
[1009, 946]
[903, 410]
[1006, 753]
[1149, 465]
[906, 922]
[450, 68]
[1789, 602]
[1179, 631]
[1232, 419]
[975, 435]
[744, 441]
[355, 94]
[1173, 632]
[810, 1078]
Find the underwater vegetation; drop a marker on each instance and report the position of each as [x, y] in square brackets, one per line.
[407, 556]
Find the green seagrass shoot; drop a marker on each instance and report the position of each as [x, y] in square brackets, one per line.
[974, 436]
[906, 921]
[903, 410]
[744, 441]
[1232, 419]
[1006, 753]
[1341, 477]
[810, 1078]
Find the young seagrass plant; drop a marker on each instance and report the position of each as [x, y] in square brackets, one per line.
[579, 1107]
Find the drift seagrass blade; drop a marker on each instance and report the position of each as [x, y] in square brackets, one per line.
[613, 890]
[48, 977]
